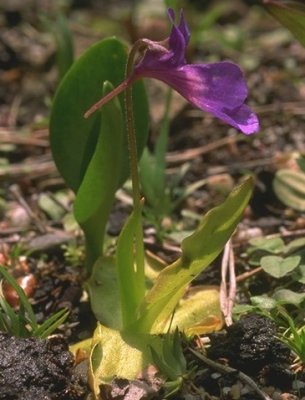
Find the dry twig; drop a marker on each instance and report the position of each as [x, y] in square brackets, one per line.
[229, 370]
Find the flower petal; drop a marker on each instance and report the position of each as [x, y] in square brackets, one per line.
[158, 56]
[178, 39]
[218, 88]
[177, 46]
[183, 28]
[242, 118]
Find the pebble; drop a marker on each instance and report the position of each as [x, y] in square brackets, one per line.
[27, 283]
[288, 396]
[235, 392]
[17, 216]
[269, 390]
[276, 395]
[297, 385]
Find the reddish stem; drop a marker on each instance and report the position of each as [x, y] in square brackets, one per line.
[116, 91]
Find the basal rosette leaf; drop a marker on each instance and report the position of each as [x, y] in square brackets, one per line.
[118, 354]
[92, 154]
[103, 289]
[198, 251]
[96, 192]
[73, 138]
[130, 273]
[198, 312]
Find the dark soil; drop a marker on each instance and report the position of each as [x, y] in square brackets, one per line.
[38, 369]
[250, 345]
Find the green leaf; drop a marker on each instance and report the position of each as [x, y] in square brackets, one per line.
[131, 277]
[294, 245]
[263, 302]
[301, 163]
[49, 205]
[96, 193]
[51, 324]
[103, 291]
[199, 312]
[169, 359]
[198, 251]
[148, 177]
[279, 266]
[118, 354]
[64, 44]
[92, 155]
[275, 245]
[73, 138]
[287, 296]
[300, 274]
[289, 187]
[24, 302]
[152, 168]
[291, 14]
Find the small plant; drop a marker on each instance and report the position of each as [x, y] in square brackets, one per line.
[171, 362]
[23, 323]
[74, 253]
[96, 155]
[278, 259]
[294, 337]
[283, 262]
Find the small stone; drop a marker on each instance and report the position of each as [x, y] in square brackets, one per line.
[226, 390]
[17, 216]
[297, 385]
[235, 392]
[245, 390]
[288, 396]
[269, 390]
[276, 395]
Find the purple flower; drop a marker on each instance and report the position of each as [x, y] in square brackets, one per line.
[218, 88]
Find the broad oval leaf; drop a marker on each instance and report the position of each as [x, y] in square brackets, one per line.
[73, 138]
[286, 296]
[96, 192]
[118, 354]
[279, 266]
[263, 302]
[273, 245]
[104, 295]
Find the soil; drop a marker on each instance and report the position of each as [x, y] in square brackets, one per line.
[32, 368]
[274, 68]
[250, 345]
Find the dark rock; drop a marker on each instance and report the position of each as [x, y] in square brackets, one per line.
[32, 368]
